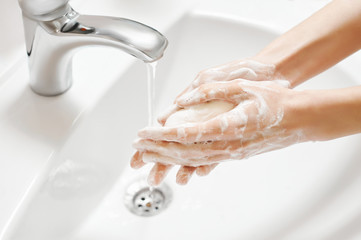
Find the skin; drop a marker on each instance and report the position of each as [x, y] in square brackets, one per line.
[313, 46]
[316, 44]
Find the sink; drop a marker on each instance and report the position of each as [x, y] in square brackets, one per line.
[306, 191]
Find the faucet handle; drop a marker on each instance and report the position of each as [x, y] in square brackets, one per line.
[44, 10]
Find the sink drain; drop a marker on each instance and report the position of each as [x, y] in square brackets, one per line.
[144, 201]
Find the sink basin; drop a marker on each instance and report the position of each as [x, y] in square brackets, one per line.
[307, 191]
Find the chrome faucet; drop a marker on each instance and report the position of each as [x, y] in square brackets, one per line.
[54, 31]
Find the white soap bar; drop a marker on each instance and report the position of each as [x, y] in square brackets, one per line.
[198, 113]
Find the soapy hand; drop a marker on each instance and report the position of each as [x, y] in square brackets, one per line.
[241, 69]
[260, 121]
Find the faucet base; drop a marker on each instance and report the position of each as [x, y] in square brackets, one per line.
[49, 94]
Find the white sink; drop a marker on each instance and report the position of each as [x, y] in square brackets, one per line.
[307, 191]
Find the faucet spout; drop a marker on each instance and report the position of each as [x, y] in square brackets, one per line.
[51, 45]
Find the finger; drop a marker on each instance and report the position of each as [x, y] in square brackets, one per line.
[136, 161]
[158, 173]
[209, 76]
[206, 76]
[188, 89]
[205, 169]
[225, 72]
[184, 174]
[245, 73]
[228, 91]
[214, 74]
[223, 127]
[176, 134]
[165, 115]
[249, 69]
[185, 151]
[154, 157]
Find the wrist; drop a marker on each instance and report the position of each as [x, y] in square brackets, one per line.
[295, 119]
[324, 114]
[288, 63]
[273, 72]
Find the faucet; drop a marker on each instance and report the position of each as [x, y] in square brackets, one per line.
[54, 32]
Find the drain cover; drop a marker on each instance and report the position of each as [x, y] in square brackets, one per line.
[144, 201]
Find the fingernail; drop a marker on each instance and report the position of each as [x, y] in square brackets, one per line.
[136, 162]
[136, 165]
[182, 179]
[181, 182]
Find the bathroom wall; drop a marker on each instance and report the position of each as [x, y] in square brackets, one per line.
[11, 36]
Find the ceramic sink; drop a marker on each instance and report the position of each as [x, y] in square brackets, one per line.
[306, 191]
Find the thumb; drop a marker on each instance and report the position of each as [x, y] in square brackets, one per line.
[194, 97]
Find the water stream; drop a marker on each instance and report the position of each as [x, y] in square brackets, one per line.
[151, 70]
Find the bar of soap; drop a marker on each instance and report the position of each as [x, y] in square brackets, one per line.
[198, 113]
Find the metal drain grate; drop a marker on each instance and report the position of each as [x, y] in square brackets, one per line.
[144, 201]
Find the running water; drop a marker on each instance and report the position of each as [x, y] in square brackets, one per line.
[151, 69]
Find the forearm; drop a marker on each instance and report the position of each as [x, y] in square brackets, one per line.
[316, 44]
[327, 114]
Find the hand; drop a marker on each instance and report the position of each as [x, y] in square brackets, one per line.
[261, 121]
[241, 69]
[160, 170]
[244, 69]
